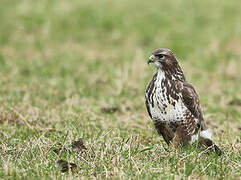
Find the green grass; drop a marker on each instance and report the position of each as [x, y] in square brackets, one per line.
[61, 62]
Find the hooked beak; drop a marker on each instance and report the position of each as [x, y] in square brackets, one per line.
[151, 59]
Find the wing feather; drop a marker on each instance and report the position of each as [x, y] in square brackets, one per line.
[191, 101]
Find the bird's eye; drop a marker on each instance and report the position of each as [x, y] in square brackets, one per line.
[161, 56]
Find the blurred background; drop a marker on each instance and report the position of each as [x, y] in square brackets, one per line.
[87, 46]
[95, 52]
[61, 61]
[52, 50]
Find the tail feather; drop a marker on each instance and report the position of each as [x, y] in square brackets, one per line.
[206, 139]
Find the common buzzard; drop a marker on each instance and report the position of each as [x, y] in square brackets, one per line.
[173, 104]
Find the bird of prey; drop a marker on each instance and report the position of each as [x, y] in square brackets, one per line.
[173, 104]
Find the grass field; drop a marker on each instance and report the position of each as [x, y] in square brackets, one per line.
[77, 69]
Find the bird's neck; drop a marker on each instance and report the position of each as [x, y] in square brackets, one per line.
[160, 74]
[171, 74]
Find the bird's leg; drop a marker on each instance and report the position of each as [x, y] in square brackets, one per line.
[181, 137]
[176, 141]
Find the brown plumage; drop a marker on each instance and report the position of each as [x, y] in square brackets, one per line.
[173, 103]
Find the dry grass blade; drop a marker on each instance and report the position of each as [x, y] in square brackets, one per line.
[21, 117]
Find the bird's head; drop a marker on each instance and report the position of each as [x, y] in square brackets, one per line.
[162, 58]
